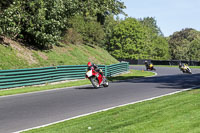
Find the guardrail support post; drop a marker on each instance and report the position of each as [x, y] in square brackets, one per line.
[127, 66]
[106, 70]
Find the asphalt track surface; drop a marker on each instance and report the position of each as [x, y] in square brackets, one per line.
[26, 111]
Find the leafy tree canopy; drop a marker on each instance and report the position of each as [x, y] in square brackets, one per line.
[128, 40]
[43, 22]
[184, 43]
[138, 39]
[151, 23]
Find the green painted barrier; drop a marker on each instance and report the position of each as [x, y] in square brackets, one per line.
[35, 76]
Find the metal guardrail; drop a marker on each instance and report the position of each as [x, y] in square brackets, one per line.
[161, 62]
[35, 76]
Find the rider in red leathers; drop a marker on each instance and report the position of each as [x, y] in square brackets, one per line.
[95, 67]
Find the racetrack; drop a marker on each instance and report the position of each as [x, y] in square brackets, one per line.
[34, 109]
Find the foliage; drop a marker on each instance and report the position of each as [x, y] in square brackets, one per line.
[43, 22]
[157, 43]
[160, 49]
[138, 39]
[72, 37]
[128, 40]
[184, 45]
[109, 25]
[5, 4]
[100, 8]
[150, 22]
[194, 50]
[90, 30]
[11, 20]
[38, 22]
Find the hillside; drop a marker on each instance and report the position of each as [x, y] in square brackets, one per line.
[15, 56]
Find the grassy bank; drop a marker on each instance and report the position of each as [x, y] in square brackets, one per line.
[16, 56]
[178, 113]
[132, 74]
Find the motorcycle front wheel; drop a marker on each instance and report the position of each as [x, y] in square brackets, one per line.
[189, 71]
[105, 83]
[95, 82]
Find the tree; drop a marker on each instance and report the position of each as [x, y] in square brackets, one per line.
[43, 23]
[110, 23]
[181, 42]
[194, 50]
[151, 23]
[100, 8]
[91, 31]
[38, 22]
[128, 40]
[5, 4]
[154, 39]
[160, 49]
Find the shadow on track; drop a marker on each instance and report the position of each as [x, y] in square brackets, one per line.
[86, 88]
[179, 81]
[123, 78]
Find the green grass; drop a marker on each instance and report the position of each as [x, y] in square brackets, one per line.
[132, 74]
[8, 58]
[178, 113]
[194, 66]
[13, 58]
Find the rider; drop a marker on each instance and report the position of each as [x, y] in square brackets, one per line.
[182, 66]
[146, 64]
[95, 67]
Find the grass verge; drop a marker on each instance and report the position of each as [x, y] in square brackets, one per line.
[132, 74]
[178, 113]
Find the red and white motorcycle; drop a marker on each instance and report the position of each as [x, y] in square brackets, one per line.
[96, 78]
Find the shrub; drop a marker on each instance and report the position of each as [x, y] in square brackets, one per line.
[91, 31]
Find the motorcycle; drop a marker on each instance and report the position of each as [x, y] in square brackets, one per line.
[150, 67]
[96, 78]
[186, 69]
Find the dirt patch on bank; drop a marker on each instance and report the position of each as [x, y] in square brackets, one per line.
[21, 51]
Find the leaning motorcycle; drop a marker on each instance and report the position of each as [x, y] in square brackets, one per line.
[96, 78]
[186, 69]
[150, 67]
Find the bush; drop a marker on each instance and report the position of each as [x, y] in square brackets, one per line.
[90, 30]
[40, 23]
[10, 21]
[72, 37]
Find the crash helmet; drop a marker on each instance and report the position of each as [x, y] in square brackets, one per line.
[89, 64]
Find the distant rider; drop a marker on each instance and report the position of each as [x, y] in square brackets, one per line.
[182, 66]
[146, 64]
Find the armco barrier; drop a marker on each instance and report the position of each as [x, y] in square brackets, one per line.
[35, 76]
[161, 62]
